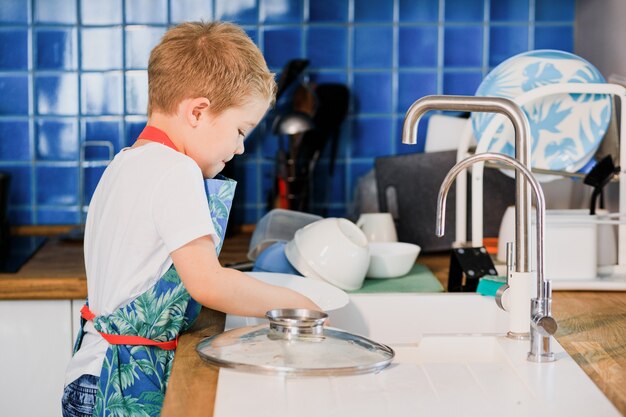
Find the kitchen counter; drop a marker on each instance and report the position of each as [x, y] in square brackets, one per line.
[592, 329]
[592, 325]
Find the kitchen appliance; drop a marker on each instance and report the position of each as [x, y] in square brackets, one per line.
[296, 344]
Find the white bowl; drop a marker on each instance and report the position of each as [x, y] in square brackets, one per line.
[333, 250]
[391, 259]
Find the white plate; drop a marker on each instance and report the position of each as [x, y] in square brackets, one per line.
[566, 129]
[327, 296]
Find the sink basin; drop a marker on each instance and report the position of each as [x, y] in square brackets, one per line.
[452, 358]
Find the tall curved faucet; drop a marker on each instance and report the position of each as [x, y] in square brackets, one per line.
[522, 152]
[542, 325]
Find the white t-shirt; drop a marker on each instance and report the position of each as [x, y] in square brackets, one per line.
[149, 202]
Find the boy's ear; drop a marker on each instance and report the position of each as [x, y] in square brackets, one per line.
[196, 108]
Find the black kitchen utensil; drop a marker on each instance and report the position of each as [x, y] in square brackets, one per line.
[5, 182]
[331, 110]
[291, 71]
[599, 176]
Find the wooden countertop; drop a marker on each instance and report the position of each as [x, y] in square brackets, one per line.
[592, 325]
[56, 271]
[592, 329]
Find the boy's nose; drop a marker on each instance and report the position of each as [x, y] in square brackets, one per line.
[240, 148]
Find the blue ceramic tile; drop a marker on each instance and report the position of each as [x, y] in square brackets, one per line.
[268, 177]
[281, 11]
[108, 129]
[57, 140]
[251, 215]
[253, 33]
[139, 43]
[191, 10]
[328, 77]
[57, 185]
[373, 47]
[463, 46]
[14, 90]
[328, 10]
[58, 215]
[248, 182]
[101, 93]
[327, 188]
[14, 11]
[134, 126]
[422, 128]
[98, 12]
[371, 137]
[14, 140]
[56, 49]
[555, 10]
[91, 176]
[19, 193]
[136, 92]
[101, 48]
[506, 41]
[357, 170]
[414, 85]
[239, 11]
[554, 37]
[372, 92]
[373, 11]
[461, 83]
[13, 49]
[327, 46]
[509, 10]
[55, 11]
[281, 45]
[94, 151]
[57, 94]
[419, 11]
[417, 46]
[464, 10]
[146, 11]
[20, 217]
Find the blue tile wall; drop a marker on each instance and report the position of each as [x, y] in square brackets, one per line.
[73, 73]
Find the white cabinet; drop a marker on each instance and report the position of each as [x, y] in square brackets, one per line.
[36, 339]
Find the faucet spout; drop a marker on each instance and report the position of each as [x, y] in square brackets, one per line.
[542, 325]
[522, 150]
[534, 184]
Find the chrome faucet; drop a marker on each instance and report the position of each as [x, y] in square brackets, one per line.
[522, 151]
[542, 324]
[518, 310]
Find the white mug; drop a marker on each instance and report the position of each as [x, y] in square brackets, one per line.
[378, 227]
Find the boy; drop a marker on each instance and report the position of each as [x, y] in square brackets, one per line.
[151, 236]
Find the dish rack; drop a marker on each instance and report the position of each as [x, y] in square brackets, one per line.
[611, 278]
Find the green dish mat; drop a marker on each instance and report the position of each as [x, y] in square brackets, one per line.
[419, 279]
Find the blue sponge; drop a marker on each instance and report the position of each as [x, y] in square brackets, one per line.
[489, 285]
[273, 259]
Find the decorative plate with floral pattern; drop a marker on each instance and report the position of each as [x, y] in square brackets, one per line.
[566, 128]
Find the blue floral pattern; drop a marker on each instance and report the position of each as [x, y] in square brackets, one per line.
[566, 129]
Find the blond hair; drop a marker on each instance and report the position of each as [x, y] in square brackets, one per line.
[213, 60]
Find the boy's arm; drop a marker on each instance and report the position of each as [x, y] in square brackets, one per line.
[226, 289]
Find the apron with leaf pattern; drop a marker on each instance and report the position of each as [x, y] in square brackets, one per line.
[143, 334]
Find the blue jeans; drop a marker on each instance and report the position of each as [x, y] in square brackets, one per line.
[79, 397]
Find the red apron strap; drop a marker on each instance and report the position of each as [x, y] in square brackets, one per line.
[118, 339]
[155, 134]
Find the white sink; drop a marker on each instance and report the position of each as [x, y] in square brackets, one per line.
[452, 358]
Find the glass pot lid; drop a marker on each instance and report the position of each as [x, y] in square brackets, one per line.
[295, 343]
